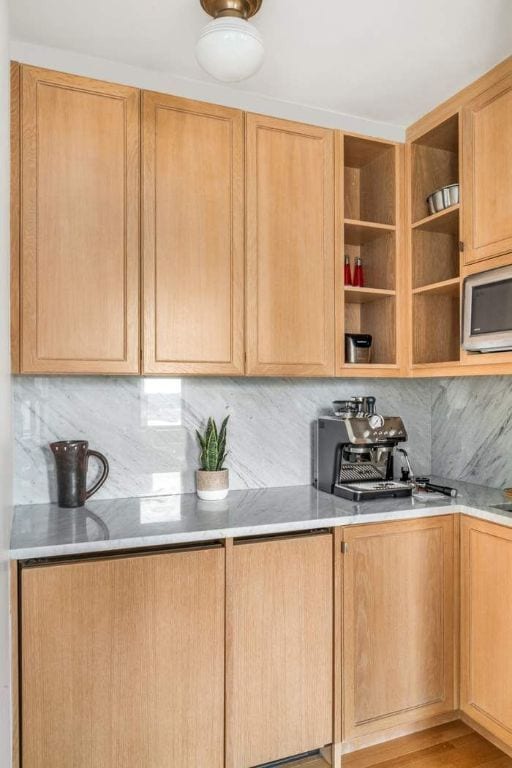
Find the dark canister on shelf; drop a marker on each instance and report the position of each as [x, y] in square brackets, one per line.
[72, 460]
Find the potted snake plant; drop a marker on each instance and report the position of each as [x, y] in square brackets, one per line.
[212, 479]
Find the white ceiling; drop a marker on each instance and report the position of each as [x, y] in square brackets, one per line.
[389, 61]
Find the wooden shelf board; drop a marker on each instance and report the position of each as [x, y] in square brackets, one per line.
[447, 287]
[439, 364]
[362, 366]
[360, 232]
[355, 295]
[446, 222]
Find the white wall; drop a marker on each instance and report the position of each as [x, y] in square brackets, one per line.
[164, 82]
[5, 395]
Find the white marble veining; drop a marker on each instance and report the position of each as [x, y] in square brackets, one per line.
[47, 531]
[145, 427]
[472, 429]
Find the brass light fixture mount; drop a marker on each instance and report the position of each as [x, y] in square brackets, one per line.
[240, 9]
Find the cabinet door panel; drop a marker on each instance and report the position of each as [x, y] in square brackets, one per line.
[398, 624]
[80, 225]
[123, 662]
[280, 672]
[193, 236]
[487, 626]
[488, 174]
[290, 248]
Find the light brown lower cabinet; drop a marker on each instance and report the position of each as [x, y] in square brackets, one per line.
[123, 662]
[398, 624]
[486, 626]
[279, 648]
[226, 656]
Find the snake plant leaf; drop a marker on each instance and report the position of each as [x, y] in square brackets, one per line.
[202, 441]
[212, 450]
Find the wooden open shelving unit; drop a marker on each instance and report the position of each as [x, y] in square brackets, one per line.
[368, 175]
[435, 248]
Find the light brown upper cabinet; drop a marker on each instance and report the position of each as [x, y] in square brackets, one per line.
[290, 248]
[279, 648]
[486, 626]
[122, 661]
[398, 624]
[193, 206]
[487, 178]
[79, 245]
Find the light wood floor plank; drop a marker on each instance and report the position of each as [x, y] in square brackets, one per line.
[454, 745]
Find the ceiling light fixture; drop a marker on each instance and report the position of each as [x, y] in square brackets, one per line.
[230, 48]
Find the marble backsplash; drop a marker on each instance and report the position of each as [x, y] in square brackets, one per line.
[145, 427]
[472, 429]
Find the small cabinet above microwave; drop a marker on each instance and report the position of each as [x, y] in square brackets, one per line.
[487, 320]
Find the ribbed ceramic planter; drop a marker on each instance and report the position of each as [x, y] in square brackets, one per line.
[212, 486]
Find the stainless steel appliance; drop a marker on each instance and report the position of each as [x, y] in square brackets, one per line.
[358, 348]
[487, 321]
[355, 453]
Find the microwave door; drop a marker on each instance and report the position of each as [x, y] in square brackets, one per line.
[488, 311]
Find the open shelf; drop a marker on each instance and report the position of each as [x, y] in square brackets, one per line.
[369, 180]
[376, 317]
[445, 222]
[435, 163]
[356, 295]
[436, 328]
[377, 255]
[445, 287]
[370, 225]
[361, 232]
[435, 237]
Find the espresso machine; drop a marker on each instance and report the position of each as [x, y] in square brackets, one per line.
[355, 450]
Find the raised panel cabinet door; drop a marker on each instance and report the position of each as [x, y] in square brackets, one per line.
[280, 649]
[486, 626]
[193, 208]
[290, 248]
[398, 624]
[487, 176]
[80, 225]
[122, 662]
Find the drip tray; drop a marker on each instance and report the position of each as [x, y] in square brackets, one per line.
[373, 490]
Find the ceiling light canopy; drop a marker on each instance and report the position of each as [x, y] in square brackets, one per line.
[230, 48]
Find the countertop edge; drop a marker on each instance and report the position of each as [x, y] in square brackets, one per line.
[154, 541]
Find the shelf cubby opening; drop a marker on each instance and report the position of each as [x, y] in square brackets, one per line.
[435, 163]
[377, 318]
[436, 329]
[435, 257]
[377, 256]
[369, 180]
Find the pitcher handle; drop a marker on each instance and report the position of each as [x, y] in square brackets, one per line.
[97, 485]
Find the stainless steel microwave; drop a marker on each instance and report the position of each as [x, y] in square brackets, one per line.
[487, 317]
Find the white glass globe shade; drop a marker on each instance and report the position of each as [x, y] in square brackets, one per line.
[230, 49]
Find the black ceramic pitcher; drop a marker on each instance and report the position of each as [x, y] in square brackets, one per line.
[72, 459]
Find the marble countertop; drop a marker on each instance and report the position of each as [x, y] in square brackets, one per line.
[44, 530]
